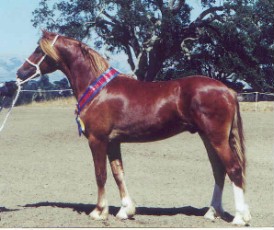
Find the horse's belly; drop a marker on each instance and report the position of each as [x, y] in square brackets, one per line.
[151, 133]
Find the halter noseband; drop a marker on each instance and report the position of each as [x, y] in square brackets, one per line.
[37, 66]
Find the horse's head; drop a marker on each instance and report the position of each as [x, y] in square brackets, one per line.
[43, 60]
[8, 88]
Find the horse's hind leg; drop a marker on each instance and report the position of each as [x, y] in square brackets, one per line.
[215, 209]
[234, 169]
[127, 209]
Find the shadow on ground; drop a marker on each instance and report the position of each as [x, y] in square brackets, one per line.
[153, 211]
[3, 209]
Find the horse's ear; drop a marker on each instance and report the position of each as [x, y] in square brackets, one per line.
[45, 33]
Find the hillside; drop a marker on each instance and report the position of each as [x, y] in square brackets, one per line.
[8, 67]
[10, 64]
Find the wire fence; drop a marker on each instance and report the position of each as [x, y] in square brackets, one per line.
[242, 97]
[47, 91]
[36, 95]
[28, 96]
[255, 96]
[257, 101]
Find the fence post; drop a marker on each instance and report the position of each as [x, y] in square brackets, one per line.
[256, 100]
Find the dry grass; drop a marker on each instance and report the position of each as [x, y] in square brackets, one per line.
[261, 106]
[60, 102]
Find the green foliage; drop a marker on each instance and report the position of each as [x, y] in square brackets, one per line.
[228, 42]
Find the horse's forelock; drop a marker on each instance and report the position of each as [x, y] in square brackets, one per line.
[45, 44]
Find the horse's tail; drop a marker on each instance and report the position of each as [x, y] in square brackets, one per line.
[236, 140]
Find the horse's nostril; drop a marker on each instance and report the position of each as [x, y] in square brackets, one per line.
[20, 75]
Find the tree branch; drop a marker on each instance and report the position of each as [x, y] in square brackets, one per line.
[209, 11]
[184, 48]
[175, 5]
[113, 19]
[96, 17]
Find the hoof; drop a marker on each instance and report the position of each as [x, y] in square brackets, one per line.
[99, 214]
[127, 211]
[212, 214]
[242, 219]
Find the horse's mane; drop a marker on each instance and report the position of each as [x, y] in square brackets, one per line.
[97, 62]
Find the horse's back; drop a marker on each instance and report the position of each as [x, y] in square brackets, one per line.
[190, 84]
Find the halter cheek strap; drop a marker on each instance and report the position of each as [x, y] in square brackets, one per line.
[37, 66]
[19, 82]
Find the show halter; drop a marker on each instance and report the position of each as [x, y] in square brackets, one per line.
[19, 82]
[87, 96]
[37, 66]
[92, 90]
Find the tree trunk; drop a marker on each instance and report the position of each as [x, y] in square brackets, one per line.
[151, 63]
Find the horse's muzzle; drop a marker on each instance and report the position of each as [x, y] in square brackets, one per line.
[21, 76]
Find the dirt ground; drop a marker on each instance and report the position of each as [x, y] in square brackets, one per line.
[47, 176]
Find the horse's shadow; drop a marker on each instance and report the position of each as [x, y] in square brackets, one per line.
[4, 209]
[153, 211]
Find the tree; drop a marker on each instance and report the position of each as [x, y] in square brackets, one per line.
[239, 46]
[158, 35]
[148, 31]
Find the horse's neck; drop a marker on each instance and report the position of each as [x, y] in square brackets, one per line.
[79, 75]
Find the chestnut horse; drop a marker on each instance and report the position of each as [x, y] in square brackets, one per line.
[121, 109]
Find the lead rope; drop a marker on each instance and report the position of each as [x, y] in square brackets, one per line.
[12, 105]
[20, 82]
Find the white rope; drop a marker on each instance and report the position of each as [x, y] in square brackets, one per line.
[19, 82]
[12, 105]
[37, 66]
[37, 72]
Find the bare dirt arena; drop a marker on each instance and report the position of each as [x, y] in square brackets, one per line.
[47, 176]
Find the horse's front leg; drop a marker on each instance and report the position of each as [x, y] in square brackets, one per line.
[99, 152]
[127, 209]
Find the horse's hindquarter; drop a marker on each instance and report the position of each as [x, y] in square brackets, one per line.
[211, 105]
[132, 111]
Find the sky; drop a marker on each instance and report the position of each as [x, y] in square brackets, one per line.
[18, 36]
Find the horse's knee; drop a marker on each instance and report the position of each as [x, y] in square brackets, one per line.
[101, 178]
